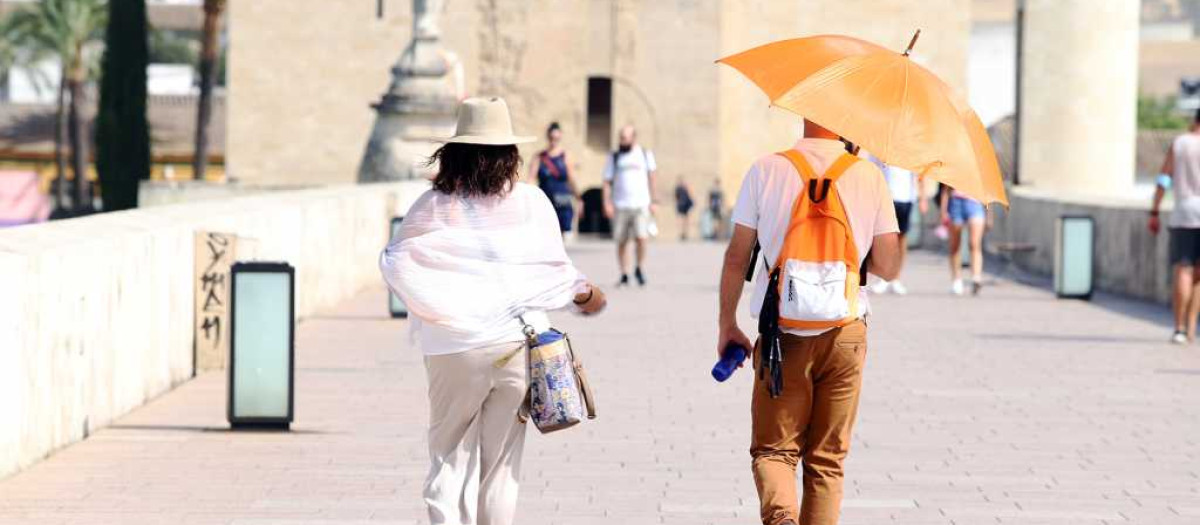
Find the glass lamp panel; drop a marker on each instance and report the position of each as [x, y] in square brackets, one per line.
[263, 326]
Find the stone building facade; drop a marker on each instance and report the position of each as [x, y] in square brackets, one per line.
[303, 73]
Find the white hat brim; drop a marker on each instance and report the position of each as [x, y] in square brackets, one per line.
[489, 140]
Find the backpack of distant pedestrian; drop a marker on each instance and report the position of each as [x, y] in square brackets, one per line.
[815, 280]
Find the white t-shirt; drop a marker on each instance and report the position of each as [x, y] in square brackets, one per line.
[631, 178]
[1185, 183]
[901, 182]
[770, 189]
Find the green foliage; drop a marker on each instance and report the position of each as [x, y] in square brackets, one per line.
[174, 47]
[61, 28]
[122, 130]
[1159, 113]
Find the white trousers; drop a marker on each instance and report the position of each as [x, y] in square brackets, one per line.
[475, 438]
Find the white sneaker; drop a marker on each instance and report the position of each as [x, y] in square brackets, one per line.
[880, 287]
[956, 287]
[1179, 338]
[898, 288]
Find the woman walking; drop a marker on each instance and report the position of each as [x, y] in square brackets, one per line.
[554, 177]
[473, 254]
[960, 211]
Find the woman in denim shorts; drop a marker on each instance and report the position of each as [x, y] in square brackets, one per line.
[959, 211]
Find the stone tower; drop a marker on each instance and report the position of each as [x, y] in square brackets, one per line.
[419, 106]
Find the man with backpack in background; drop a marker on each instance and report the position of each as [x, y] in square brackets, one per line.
[823, 219]
[630, 201]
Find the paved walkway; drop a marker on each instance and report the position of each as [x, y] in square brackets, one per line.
[1013, 407]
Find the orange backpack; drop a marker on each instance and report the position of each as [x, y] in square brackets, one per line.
[818, 266]
[814, 281]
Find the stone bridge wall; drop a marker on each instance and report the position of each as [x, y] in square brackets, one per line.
[96, 314]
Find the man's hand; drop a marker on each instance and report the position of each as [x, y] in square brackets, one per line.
[608, 210]
[654, 209]
[732, 335]
[1154, 224]
[923, 205]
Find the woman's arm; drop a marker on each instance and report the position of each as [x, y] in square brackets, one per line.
[591, 302]
[570, 176]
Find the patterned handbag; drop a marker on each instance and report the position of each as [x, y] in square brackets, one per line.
[559, 395]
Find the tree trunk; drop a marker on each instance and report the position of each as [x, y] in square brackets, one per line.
[79, 157]
[208, 69]
[60, 157]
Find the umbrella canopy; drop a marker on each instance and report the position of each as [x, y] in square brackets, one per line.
[883, 101]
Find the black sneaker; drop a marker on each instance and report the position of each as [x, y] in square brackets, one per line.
[976, 286]
[624, 280]
[641, 279]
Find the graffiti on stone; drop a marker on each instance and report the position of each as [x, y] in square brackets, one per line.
[215, 253]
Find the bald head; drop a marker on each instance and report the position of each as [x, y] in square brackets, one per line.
[627, 135]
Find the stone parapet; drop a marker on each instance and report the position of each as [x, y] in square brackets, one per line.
[1129, 261]
[96, 314]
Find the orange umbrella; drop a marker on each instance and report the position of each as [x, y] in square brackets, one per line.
[882, 101]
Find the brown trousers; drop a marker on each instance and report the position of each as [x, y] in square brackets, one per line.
[810, 423]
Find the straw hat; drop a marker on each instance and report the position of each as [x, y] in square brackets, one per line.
[485, 120]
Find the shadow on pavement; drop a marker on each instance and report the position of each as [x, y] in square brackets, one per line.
[1069, 338]
[189, 428]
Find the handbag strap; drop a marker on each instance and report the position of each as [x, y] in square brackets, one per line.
[529, 331]
[585, 387]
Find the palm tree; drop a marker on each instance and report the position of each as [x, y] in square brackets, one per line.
[65, 28]
[208, 75]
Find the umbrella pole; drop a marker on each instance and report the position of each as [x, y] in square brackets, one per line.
[912, 43]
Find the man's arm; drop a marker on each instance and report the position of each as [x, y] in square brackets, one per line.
[609, 175]
[885, 256]
[733, 273]
[651, 177]
[1168, 169]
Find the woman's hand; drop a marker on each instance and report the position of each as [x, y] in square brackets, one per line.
[592, 302]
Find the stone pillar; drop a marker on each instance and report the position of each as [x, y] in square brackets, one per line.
[418, 108]
[1079, 83]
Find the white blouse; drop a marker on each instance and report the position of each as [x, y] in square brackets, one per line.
[467, 267]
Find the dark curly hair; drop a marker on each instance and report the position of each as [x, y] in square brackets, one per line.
[473, 170]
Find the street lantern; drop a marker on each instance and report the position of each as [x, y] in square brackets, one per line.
[1074, 256]
[395, 305]
[262, 345]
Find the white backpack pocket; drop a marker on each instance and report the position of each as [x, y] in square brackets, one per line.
[813, 291]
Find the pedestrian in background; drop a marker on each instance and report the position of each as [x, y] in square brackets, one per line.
[683, 207]
[552, 171]
[1181, 174]
[629, 201]
[805, 402]
[902, 184]
[958, 212]
[716, 209]
[473, 254]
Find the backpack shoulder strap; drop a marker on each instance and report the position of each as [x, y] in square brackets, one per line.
[840, 166]
[800, 163]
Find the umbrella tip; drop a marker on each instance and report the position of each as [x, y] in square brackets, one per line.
[912, 43]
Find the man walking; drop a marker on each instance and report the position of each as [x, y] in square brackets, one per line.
[1181, 173]
[629, 200]
[903, 185]
[817, 213]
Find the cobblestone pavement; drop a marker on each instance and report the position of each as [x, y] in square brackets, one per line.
[1012, 407]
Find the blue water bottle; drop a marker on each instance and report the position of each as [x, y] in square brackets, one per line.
[734, 355]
